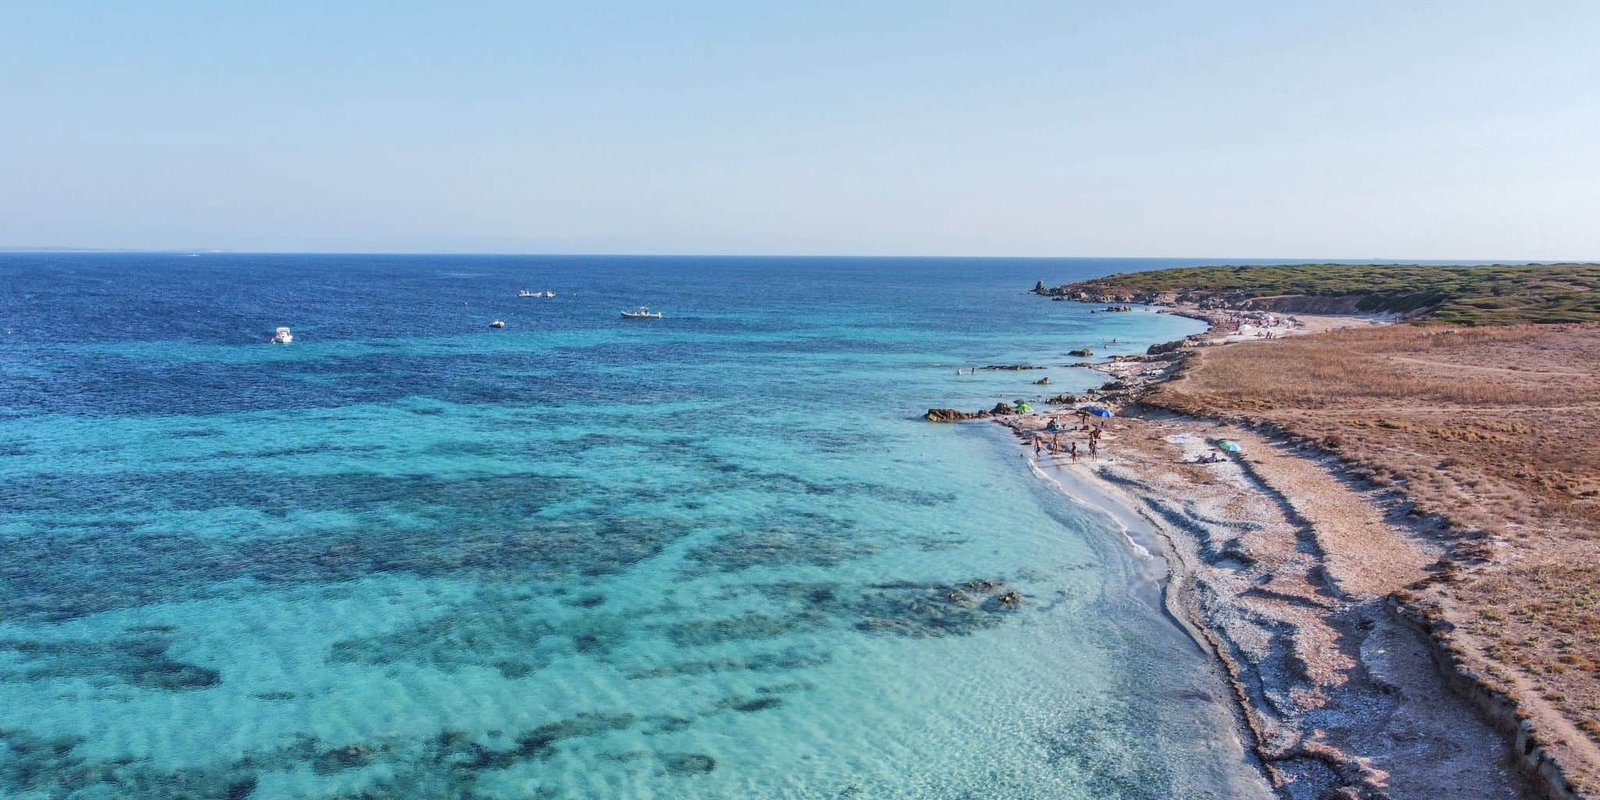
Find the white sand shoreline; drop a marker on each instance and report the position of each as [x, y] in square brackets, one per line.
[1262, 607]
[1280, 571]
[1150, 551]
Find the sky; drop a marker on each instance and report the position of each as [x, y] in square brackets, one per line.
[1229, 128]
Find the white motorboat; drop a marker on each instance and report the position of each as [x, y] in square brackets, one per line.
[282, 337]
[526, 293]
[499, 323]
[642, 313]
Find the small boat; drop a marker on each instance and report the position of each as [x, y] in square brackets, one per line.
[499, 323]
[643, 313]
[282, 337]
[526, 293]
[548, 293]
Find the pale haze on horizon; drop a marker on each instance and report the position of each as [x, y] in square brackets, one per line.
[1246, 129]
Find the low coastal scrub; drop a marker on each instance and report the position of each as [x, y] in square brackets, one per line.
[1490, 431]
[1459, 295]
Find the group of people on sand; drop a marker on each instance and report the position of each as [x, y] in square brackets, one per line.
[1053, 443]
[1262, 325]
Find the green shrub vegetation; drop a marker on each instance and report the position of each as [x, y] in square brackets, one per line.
[1462, 295]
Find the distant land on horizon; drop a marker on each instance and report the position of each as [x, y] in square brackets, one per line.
[1488, 294]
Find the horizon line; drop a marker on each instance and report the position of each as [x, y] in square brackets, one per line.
[1371, 260]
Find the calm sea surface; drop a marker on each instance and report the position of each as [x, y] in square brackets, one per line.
[710, 555]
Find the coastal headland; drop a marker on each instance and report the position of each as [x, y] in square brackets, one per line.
[1398, 563]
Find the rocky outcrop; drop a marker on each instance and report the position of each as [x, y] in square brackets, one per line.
[952, 415]
[1001, 409]
[1169, 347]
[1111, 296]
[1082, 352]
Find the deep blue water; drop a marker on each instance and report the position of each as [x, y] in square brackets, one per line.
[711, 555]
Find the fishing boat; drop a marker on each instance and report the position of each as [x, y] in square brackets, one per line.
[282, 337]
[643, 313]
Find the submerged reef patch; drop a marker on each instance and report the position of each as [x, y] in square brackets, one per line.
[507, 643]
[138, 659]
[749, 704]
[759, 662]
[62, 576]
[687, 763]
[745, 627]
[448, 764]
[33, 765]
[799, 539]
[906, 608]
[515, 495]
[496, 629]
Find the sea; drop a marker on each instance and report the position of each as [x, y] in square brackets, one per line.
[716, 554]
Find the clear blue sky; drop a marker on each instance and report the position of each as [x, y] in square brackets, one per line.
[1271, 128]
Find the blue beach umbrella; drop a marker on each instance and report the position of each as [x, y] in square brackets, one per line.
[1096, 411]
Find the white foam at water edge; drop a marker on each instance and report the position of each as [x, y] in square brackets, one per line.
[1127, 534]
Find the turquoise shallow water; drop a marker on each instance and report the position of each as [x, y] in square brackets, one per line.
[712, 555]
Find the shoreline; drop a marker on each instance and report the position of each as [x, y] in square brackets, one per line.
[1151, 557]
[1122, 510]
[1282, 571]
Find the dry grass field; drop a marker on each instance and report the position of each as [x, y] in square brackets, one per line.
[1496, 431]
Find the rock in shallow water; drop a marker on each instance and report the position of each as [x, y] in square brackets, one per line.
[952, 415]
[688, 763]
[749, 705]
[340, 758]
[173, 676]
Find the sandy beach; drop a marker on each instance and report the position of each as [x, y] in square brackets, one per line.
[1282, 569]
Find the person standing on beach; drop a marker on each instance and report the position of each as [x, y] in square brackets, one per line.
[1072, 450]
[1094, 448]
[1038, 447]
